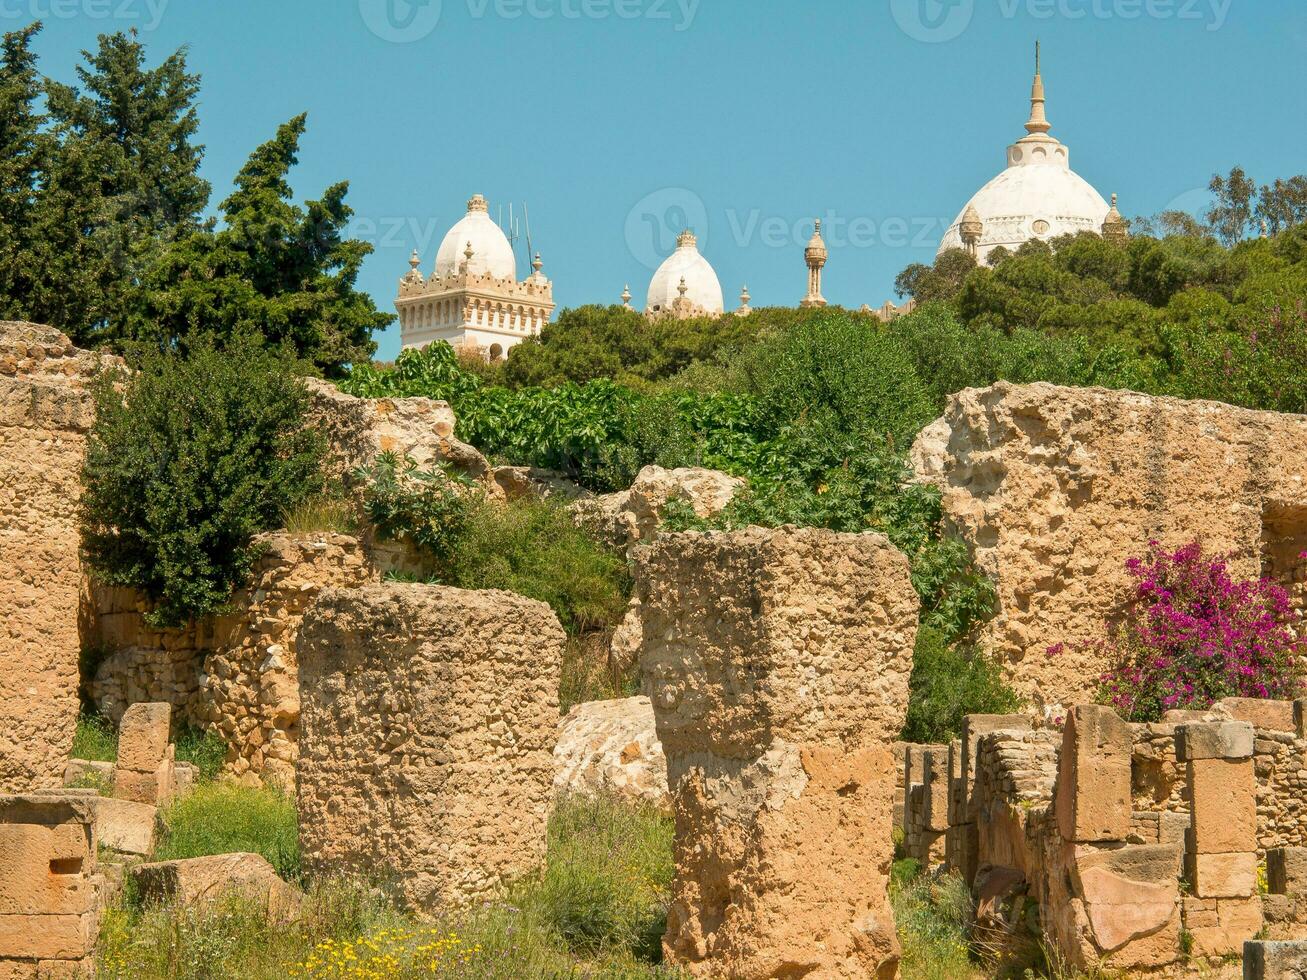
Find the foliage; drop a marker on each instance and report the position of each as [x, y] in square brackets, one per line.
[590, 912]
[588, 676]
[95, 739]
[322, 512]
[189, 458]
[949, 682]
[527, 546]
[1191, 634]
[205, 750]
[223, 818]
[275, 268]
[934, 917]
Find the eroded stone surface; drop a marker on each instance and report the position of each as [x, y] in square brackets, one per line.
[196, 881]
[611, 747]
[428, 718]
[632, 517]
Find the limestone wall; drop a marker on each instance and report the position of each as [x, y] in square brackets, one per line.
[1054, 488]
[777, 663]
[46, 410]
[429, 716]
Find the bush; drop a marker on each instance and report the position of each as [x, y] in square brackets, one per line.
[220, 818]
[949, 682]
[429, 508]
[185, 464]
[934, 917]
[1191, 634]
[96, 738]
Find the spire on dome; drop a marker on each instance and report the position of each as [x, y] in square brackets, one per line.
[686, 239]
[626, 297]
[745, 309]
[815, 257]
[1038, 122]
[1114, 227]
[477, 203]
[970, 229]
[682, 288]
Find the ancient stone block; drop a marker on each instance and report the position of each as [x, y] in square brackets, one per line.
[1055, 488]
[1214, 740]
[143, 737]
[777, 663]
[45, 412]
[1223, 875]
[1223, 806]
[1266, 960]
[1286, 870]
[935, 794]
[427, 715]
[125, 826]
[973, 727]
[632, 517]
[1093, 778]
[1259, 712]
[611, 746]
[1237, 921]
[196, 881]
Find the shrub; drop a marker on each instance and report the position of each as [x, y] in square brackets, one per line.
[934, 917]
[185, 464]
[949, 682]
[429, 508]
[1191, 634]
[220, 818]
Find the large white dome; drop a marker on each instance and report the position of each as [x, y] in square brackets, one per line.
[1037, 196]
[490, 249]
[701, 285]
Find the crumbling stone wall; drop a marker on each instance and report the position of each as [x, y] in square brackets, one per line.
[777, 662]
[428, 720]
[46, 410]
[235, 673]
[1054, 488]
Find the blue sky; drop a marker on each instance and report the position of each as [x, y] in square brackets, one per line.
[618, 120]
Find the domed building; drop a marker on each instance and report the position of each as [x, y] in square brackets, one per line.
[1037, 196]
[473, 297]
[685, 285]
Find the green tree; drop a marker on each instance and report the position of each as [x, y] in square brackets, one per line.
[1283, 204]
[273, 267]
[1231, 214]
[190, 457]
[125, 181]
[23, 149]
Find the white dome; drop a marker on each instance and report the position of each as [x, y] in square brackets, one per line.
[1037, 196]
[490, 249]
[701, 285]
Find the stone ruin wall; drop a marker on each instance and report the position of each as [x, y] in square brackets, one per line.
[1054, 488]
[1134, 842]
[46, 409]
[235, 673]
[777, 663]
[429, 720]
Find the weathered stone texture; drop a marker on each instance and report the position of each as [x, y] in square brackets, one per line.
[428, 719]
[1093, 780]
[611, 747]
[631, 517]
[192, 882]
[46, 410]
[1054, 488]
[777, 663]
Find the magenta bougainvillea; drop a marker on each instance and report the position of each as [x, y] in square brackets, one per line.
[1191, 634]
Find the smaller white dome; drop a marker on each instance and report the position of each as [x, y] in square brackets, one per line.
[490, 249]
[701, 285]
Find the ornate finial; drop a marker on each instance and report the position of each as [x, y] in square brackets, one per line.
[744, 309]
[626, 296]
[537, 265]
[1114, 227]
[467, 252]
[971, 228]
[682, 288]
[1037, 123]
[686, 239]
[477, 203]
[414, 261]
[1263, 235]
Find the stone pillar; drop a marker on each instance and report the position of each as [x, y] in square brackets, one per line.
[429, 717]
[1286, 871]
[49, 898]
[1264, 960]
[777, 662]
[1093, 776]
[144, 770]
[1221, 849]
[964, 839]
[935, 793]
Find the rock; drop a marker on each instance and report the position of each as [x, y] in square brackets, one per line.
[1214, 740]
[1260, 713]
[1054, 488]
[88, 774]
[125, 826]
[195, 881]
[611, 747]
[519, 482]
[428, 721]
[777, 663]
[624, 648]
[633, 516]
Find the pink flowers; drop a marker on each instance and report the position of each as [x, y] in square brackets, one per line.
[1191, 635]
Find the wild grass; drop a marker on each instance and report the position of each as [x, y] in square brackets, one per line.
[934, 917]
[587, 675]
[220, 818]
[205, 750]
[95, 739]
[321, 513]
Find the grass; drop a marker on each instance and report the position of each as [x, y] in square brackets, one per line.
[586, 675]
[96, 739]
[220, 818]
[321, 513]
[934, 918]
[596, 910]
[205, 750]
